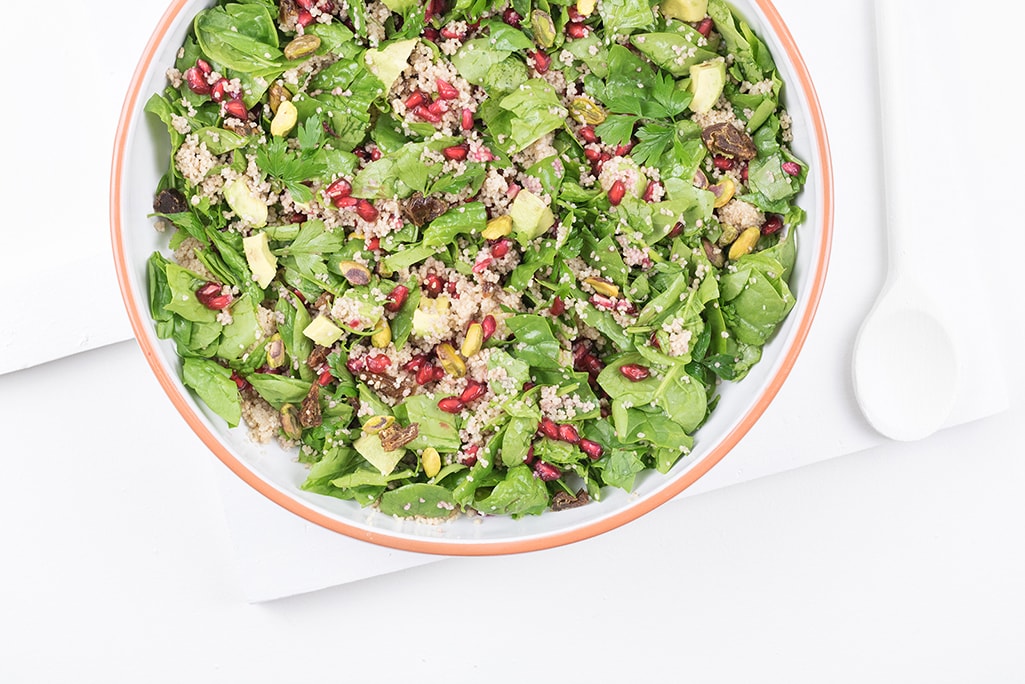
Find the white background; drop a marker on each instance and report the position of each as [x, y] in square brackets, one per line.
[903, 563]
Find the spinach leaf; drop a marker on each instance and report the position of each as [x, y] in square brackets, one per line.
[213, 383]
[519, 494]
[243, 38]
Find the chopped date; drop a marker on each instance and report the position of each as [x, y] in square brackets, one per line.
[563, 500]
[726, 139]
[170, 201]
[396, 436]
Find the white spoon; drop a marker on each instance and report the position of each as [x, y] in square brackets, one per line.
[905, 361]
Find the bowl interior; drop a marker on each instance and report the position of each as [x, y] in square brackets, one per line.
[140, 158]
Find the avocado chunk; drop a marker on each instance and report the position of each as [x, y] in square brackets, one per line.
[370, 448]
[430, 317]
[262, 262]
[684, 10]
[244, 203]
[389, 62]
[530, 215]
[399, 6]
[322, 331]
[706, 82]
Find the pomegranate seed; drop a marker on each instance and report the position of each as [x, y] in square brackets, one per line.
[501, 248]
[378, 363]
[587, 134]
[345, 202]
[792, 168]
[649, 192]
[374, 244]
[705, 26]
[446, 91]
[489, 324]
[305, 4]
[450, 287]
[676, 230]
[576, 29]
[568, 433]
[430, 33]
[546, 471]
[426, 114]
[626, 307]
[438, 107]
[466, 120]
[433, 284]
[450, 405]
[340, 188]
[722, 163]
[325, 378]
[541, 61]
[623, 150]
[415, 100]
[483, 263]
[529, 458]
[592, 364]
[196, 81]
[558, 307]
[653, 341]
[367, 211]
[592, 154]
[357, 365]
[209, 295]
[602, 302]
[548, 428]
[235, 108]
[773, 224]
[204, 66]
[592, 449]
[396, 298]
[616, 193]
[512, 17]
[634, 371]
[452, 34]
[304, 18]
[239, 381]
[415, 363]
[424, 374]
[438, 372]
[218, 92]
[375, 153]
[474, 390]
[456, 152]
[743, 173]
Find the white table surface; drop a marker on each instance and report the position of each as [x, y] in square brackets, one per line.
[902, 563]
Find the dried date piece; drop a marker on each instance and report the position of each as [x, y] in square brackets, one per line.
[396, 436]
[170, 201]
[421, 210]
[309, 412]
[562, 500]
[318, 357]
[726, 139]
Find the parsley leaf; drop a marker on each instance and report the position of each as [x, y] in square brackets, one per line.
[310, 134]
[672, 99]
[290, 169]
[653, 139]
[617, 129]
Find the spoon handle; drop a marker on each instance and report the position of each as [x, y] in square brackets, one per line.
[892, 65]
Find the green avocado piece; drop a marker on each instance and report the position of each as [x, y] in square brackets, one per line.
[322, 331]
[389, 62]
[684, 10]
[248, 206]
[706, 82]
[261, 260]
[369, 447]
[531, 216]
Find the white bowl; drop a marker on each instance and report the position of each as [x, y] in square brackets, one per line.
[140, 158]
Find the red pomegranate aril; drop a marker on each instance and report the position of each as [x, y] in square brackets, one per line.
[235, 108]
[568, 433]
[587, 134]
[634, 372]
[305, 4]
[452, 34]
[488, 326]
[705, 26]
[325, 378]
[345, 202]
[415, 100]
[576, 30]
[375, 153]
[676, 230]
[433, 284]
[541, 61]
[367, 211]
[218, 92]
[546, 471]
[602, 302]
[204, 66]
[592, 449]
[239, 381]
[529, 458]
[773, 224]
[304, 18]
[466, 120]
[722, 163]
[501, 248]
[558, 307]
[474, 390]
[209, 295]
[592, 364]
[426, 114]
[424, 374]
[512, 17]
[792, 168]
[439, 372]
[340, 188]
[415, 363]
[396, 298]
[378, 363]
[592, 154]
[649, 192]
[623, 150]
[456, 152]
[356, 365]
[450, 405]
[548, 428]
[617, 192]
[574, 14]
[446, 91]
[483, 263]
[374, 244]
[437, 108]
[196, 80]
